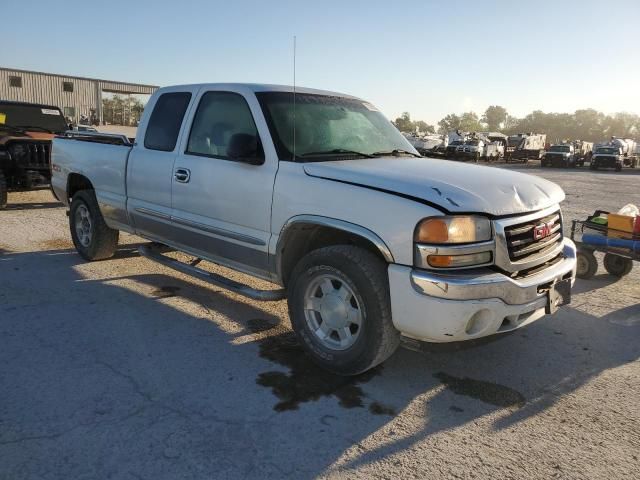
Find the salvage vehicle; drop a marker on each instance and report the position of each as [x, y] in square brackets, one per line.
[627, 148]
[368, 241]
[26, 130]
[425, 144]
[561, 155]
[470, 150]
[451, 151]
[607, 156]
[525, 146]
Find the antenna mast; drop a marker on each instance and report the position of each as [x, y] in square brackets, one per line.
[294, 98]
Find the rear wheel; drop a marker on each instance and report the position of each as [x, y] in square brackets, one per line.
[3, 191]
[91, 236]
[586, 264]
[340, 309]
[617, 265]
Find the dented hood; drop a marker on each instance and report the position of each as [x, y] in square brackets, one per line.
[453, 186]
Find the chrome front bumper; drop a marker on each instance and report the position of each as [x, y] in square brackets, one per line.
[471, 304]
[485, 283]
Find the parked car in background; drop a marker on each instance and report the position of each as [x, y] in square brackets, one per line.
[561, 155]
[366, 240]
[425, 144]
[627, 148]
[451, 151]
[470, 150]
[525, 146]
[83, 128]
[26, 130]
[616, 153]
[607, 156]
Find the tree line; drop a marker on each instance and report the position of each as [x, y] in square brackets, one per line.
[586, 124]
[122, 110]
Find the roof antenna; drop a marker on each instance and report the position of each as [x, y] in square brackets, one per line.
[294, 98]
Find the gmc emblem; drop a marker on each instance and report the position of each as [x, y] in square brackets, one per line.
[542, 230]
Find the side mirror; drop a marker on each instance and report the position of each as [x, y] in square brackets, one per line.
[246, 148]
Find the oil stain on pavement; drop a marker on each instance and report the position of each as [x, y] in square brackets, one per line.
[165, 292]
[487, 392]
[306, 381]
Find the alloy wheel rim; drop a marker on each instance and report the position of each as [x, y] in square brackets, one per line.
[83, 225]
[333, 312]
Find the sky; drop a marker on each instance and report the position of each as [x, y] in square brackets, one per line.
[429, 58]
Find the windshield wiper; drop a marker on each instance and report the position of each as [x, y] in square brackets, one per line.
[395, 152]
[32, 127]
[337, 151]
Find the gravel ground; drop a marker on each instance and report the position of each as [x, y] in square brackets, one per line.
[123, 369]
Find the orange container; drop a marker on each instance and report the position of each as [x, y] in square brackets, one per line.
[622, 226]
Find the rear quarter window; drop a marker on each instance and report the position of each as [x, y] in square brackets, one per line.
[164, 125]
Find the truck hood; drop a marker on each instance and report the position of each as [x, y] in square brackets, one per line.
[453, 187]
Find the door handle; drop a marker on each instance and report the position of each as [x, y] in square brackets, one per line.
[182, 175]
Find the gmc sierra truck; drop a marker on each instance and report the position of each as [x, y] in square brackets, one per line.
[318, 193]
[26, 130]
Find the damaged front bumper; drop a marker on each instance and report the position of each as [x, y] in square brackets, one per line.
[439, 307]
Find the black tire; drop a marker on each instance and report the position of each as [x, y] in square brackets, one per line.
[366, 275]
[3, 191]
[616, 265]
[103, 241]
[618, 167]
[593, 166]
[587, 265]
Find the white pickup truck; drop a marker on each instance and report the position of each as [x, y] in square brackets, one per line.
[318, 193]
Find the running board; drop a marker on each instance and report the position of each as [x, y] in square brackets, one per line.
[213, 278]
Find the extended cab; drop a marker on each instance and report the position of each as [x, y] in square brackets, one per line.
[319, 193]
[26, 130]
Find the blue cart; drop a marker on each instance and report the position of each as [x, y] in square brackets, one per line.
[590, 237]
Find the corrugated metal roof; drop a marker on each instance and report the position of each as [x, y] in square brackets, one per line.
[113, 84]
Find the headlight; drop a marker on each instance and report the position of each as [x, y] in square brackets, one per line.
[464, 241]
[454, 229]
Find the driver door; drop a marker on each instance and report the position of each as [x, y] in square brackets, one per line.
[221, 205]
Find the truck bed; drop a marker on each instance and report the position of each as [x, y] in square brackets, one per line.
[97, 158]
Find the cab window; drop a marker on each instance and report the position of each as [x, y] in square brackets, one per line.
[223, 127]
[166, 119]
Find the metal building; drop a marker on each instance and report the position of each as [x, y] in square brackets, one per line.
[76, 96]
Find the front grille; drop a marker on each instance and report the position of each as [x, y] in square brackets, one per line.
[522, 243]
[31, 155]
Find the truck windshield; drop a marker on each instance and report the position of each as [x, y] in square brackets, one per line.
[328, 126]
[560, 148]
[608, 151]
[32, 117]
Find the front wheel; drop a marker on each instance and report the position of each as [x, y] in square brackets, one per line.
[340, 309]
[616, 265]
[91, 236]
